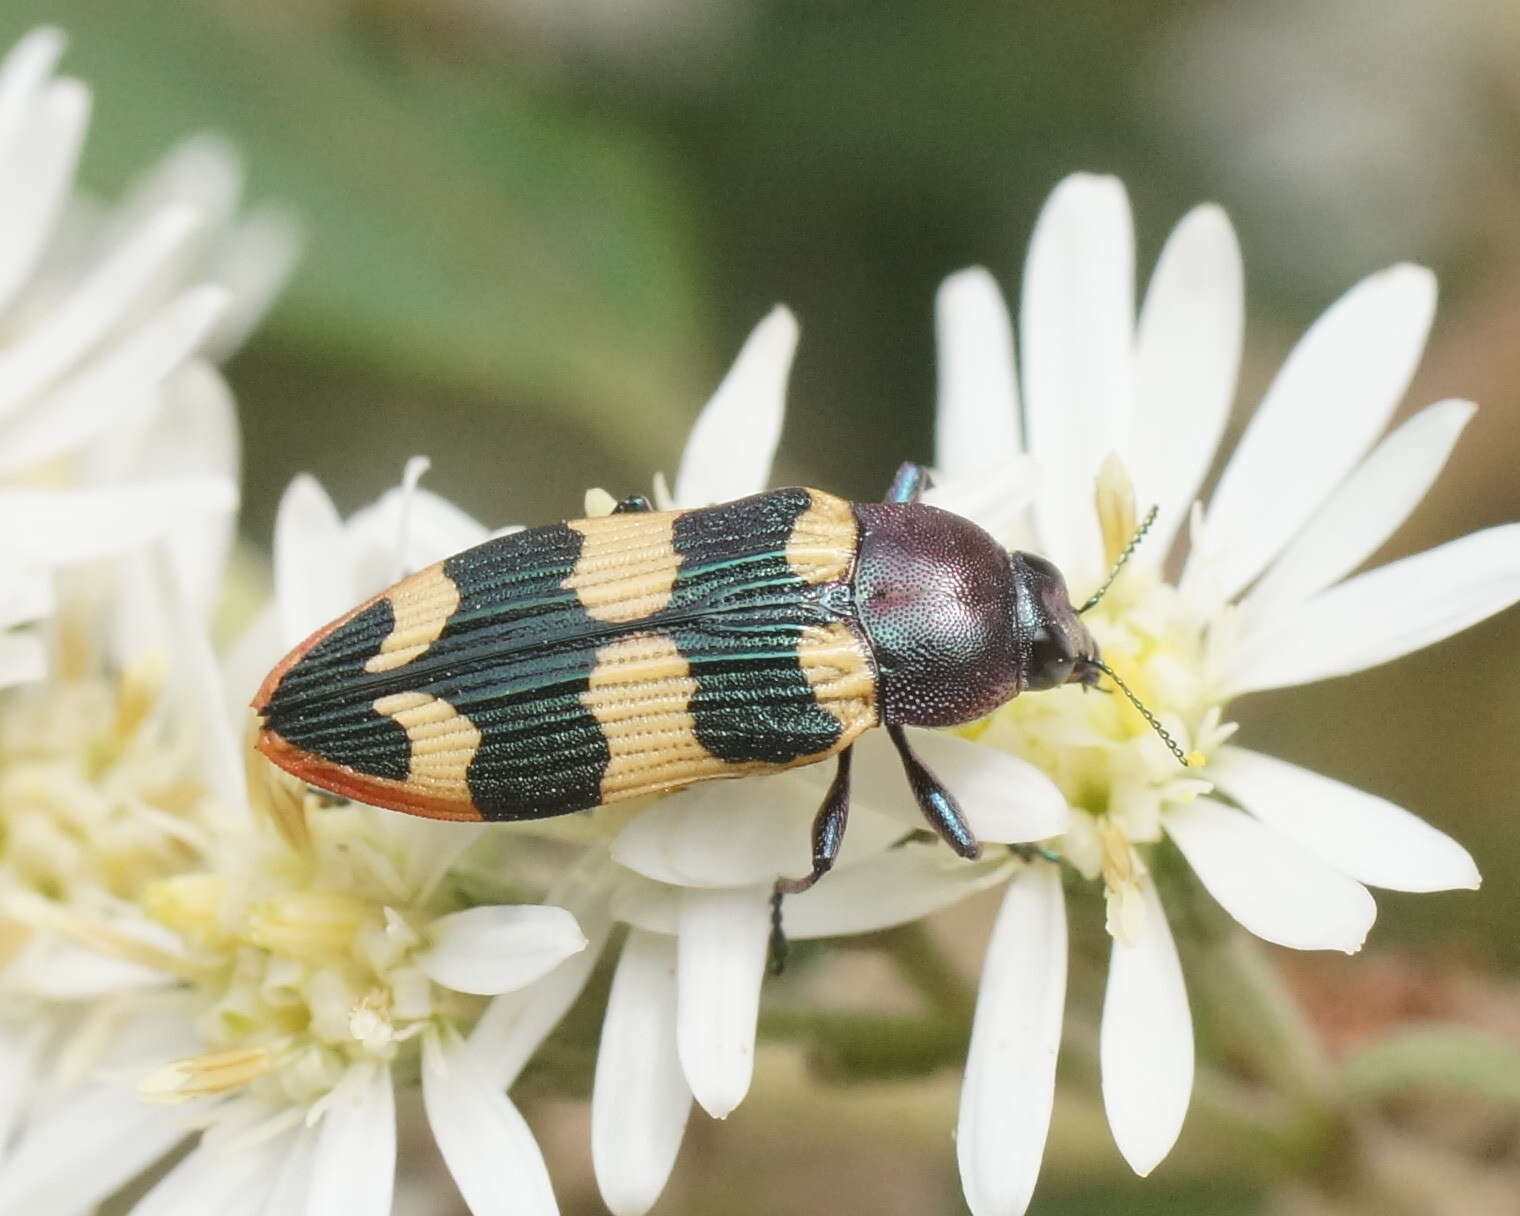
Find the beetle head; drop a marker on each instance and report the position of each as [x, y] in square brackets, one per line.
[1055, 645]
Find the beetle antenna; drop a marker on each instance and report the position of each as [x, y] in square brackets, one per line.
[1183, 758]
[1134, 541]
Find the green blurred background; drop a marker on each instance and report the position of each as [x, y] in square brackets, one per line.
[537, 230]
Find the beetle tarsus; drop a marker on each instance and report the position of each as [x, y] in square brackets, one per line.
[908, 484]
[935, 801]
[633, 503]
[828, 834]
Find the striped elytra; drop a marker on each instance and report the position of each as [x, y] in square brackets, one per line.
[561, 667]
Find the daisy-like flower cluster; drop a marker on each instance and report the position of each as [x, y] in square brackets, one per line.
[193, 945]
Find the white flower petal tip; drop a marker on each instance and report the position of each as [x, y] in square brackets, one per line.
[729, 451]
[1384, 614]
[1009, 1090]
[1341, 382]
[1365, 510]
[1272, 886]
[1187, 354]
[495, 949]
[977, 420]
[1077, 335]
[720, 963]
[1363, 836]
[313, 576]
[1146, 1042]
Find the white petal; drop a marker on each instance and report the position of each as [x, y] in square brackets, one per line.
[1187, 353]
[1011, 1065]
[1078, 320]
[85, 1148]
[433, 529]
[290, 1191]
[1146, 1044]
[735, 833]
[198, 683]
[728, 453]
[977, 417]
[1004, 799]
[516, 1023]
[1332, 396]
[720, 964]
[217, 1177]
[1364, 511]
[117, 388]
[202, 171]
[891, 888]
[1391, 611]
[60, 527]
[488, 1147]
[640, 1100]
[997, 497]
[1270, 885]
[24, 71]
[195, 428]
[1364, 837]
[645, 904]
[23, 659]
[26, 594]
[96, 306]
[254, 261]
[494, 949]
[353, 1171]
[38, 169]
[313, 582]
[20, 1053]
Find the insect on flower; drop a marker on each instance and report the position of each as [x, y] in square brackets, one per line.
[567, 666]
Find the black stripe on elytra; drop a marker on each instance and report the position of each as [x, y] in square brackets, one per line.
[541, 752]
[752, 701]
[303, 710]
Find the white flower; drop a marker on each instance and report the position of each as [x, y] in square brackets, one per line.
[289, 964]
[104, 318]
[1264, 602]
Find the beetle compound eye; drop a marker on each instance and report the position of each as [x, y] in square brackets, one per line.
[1050, 661]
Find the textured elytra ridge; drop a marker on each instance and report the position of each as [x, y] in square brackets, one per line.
[585, 662]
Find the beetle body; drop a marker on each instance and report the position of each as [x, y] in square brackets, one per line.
[562, 667]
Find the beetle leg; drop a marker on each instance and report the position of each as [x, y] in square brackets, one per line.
[909, 483]
[634, 502]
[936, 802]
[828, 834]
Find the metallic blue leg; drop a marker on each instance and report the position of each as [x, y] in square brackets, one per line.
[936, 802]
[909, 484]
[828, 834]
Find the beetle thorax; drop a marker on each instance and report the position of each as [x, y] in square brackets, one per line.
[935, 599]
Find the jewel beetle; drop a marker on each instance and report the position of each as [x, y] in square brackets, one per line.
[562, 667]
